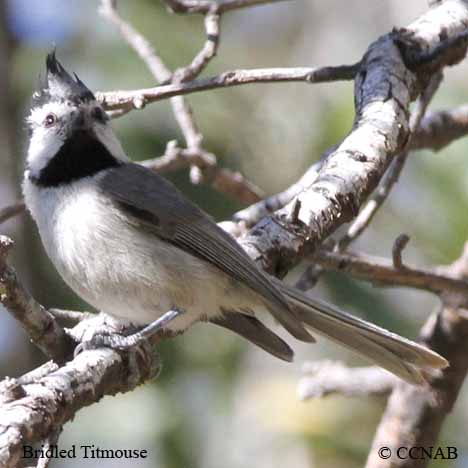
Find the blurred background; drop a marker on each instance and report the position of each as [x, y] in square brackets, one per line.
[219, 400]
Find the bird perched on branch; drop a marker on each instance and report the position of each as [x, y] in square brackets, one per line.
[130, 244]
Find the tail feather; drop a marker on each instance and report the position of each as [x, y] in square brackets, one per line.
[379, 354]
[253, 330]
[401, 356]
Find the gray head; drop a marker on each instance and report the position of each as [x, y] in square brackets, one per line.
[71, 136]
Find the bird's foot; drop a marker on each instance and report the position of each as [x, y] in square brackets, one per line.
[104, 337]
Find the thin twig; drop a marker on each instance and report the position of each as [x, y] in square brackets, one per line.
[203, 6]
[223, 180]
[138, 42]
[439, 129]
[397, 250]
[158, 69]
[137, 99]
[382, 272]
[182, 111]
[209, 50]
[325, 378]
[175, 158]
[232, 184]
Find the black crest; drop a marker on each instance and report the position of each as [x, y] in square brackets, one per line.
[60, 85]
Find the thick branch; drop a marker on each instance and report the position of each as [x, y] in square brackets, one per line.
[31, 412]
[436, 131]
[254, 213]
[40, 325]
[393, 173]
[384, 88]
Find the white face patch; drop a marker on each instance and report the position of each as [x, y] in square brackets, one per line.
[47, 139]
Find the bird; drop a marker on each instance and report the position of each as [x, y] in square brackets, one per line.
[130, 244]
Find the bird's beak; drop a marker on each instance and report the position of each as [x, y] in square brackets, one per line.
[81, 123]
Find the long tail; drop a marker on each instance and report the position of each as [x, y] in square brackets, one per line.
[401, 356]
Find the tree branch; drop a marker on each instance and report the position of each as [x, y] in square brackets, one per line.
[11, 211]
[382, 272]
[161, 73]
[231, 184]
[415, 414]
[325, 378]
[40, 325]
[254, 213]
[439, 129]
[436, 131]
[392, 175]
[49, 442]
[210, 48]
[384, 89]
[397, 251]
[137, 99]
[32, 411]
[204, 6]
[147, 53]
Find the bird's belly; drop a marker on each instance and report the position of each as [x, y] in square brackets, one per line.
[126, 271]
[138, 277]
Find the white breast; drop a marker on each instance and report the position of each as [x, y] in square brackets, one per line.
[117, 267]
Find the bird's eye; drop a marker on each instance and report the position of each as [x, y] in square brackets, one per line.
[98, 114]
[50, 120]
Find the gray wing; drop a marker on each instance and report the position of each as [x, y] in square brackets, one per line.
[253, 330]
[154, 201]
